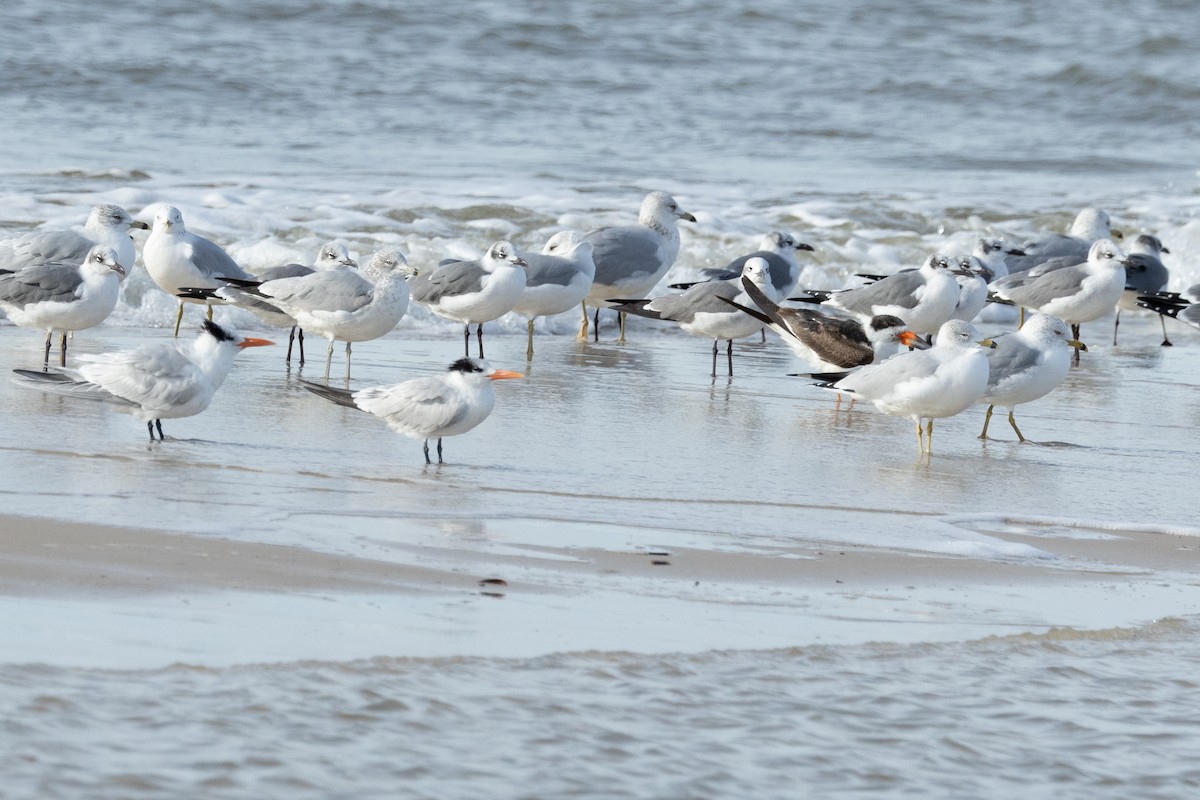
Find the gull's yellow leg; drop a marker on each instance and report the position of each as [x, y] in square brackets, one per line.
[929, 438]
[210, 313]
[986, 421]
[1013, 421]
[583, 329]
[178, 319]
[920, 438]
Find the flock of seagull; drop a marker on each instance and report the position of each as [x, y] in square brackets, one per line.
[905, 341]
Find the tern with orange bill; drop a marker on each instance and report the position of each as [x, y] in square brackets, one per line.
[168, 380]
[448, 404]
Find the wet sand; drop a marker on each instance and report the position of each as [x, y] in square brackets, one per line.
[625, 500]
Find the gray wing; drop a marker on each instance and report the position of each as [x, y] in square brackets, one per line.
[49, 282]
[1010, 357]
[543, 270]
[420, 406]
[1042, 250]
[1145, 273]
[1043, 288]
[214, 262]
[285, 271]
[326, 290]
[895, 290]
[624, 253]
[447, 280]
[878, 379]
[44, 247]
[701, 298]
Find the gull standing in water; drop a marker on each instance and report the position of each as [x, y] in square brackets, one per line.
[153, 382]
[177, 259]
[556, 280]
[706, 310]
[924, 298]
[475, 291]
[631, 259]
[1075, 294]
[925, 385]
[1145, 274]
[1026, 365]
[1089, 226]
[830, 344]
[333, 255]
[106, 225]
[342, 304]
[432, 406]
[63, 297]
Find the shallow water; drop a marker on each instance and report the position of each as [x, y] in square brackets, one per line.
[877, 135]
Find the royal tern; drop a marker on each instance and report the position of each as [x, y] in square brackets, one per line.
[106, 225]
[177, 259]
[925, 385]
[705, 310]
[63, 297]
[153, 382]
[475, 291]
[924, 298]
[442, 405]
[1089, 226]
[1026, 365]
[1075, 294]
[828, 343]
[631, 259]
[343, 305]
[556, 280]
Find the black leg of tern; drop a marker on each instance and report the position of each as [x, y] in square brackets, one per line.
[729, 355]
[440, 451]
[46, 360]
[596, 324]
[62, 353]
[426, 449]
[479, 335]
[300, 336]
[467, 340]
[158, 424]
[291, 338]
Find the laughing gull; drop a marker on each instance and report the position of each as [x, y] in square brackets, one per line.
[1026, 365]
[972, 276]
[476, 291]
[779, 250]
[925, 385]
[427, 407]
[829, 344]
[106, 225]
[556, 280]
[631, 259]
[704, 310]
[1089, 226]
[1075, 294]
[63, 297]
[177, 259]
[153, 382]
[1145, 274]
[924, 298]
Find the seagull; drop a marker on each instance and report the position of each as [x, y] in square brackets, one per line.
[1089, 226]
[1183, 306]
[1145, 274]
[1076, 294]
[1026, 365]
[475, 291]
[342, 304]
[705, 310]
[435, 405]
[927, 384]
[333, 255]
[829, 344]
[177, 259]
[924, 298]
[991, 252]
[779, 250]
[153, 382]
[631, 259]
[556, 280]
[972, 276]
[63, 297]
[106, 225]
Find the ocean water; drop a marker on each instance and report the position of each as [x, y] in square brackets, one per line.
[877, 135]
